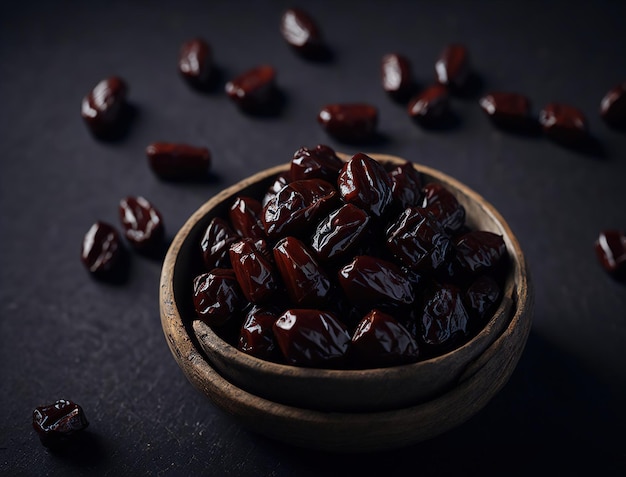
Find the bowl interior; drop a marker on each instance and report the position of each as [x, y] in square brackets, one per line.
[334, 390]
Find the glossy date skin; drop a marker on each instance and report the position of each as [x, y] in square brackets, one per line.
[349, 122]
[56, 423]
[216, 242]
[305, 280]
[509, 111]
[444, 206]
[253, 269]
[370, 282]
[195, 63]
[479, 251]
[302, 34]
[312, 338]
[380, 341]
[245, 217]
[452, 68]
[364, 182]
[142, 223]
[103, 253]
[481, 298]
[178, 161]
[409, 282]
[418, 241]
[406, 186]
[444, 322]
[254, 91]
[339, 232]
[320, 162]
[396, 76]
[564, 124]
[104, 109]
[431, 107]
[256, 337]
[217, 296]
[610, 248]
[297, 206]
[613, 106]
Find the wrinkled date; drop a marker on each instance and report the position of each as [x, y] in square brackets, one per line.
[103, 253]
[56, 423]
[347, 264]
[142, 223]
[312, 338]
[380, 341]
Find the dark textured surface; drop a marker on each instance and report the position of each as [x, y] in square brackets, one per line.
[65, 335]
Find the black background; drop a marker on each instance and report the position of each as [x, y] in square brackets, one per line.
[63, 334]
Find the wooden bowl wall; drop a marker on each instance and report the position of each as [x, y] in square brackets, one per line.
[286, 402]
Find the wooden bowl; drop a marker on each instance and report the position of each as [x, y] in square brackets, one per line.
[346, 410]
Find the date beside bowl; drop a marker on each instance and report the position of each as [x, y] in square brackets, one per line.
[346, 410]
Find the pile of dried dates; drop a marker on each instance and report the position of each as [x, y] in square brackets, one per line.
[355, 264]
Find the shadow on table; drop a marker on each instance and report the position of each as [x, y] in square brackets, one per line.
[551, 416]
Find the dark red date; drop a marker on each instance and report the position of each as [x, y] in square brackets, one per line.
[509, 111]
[564, 124]
[349, 122]
[613, 106]
[481, 297]
[303, 34]
[479, 251]
[246, 217]
[320, 162]
[256, 337]
[297, 207]
[444, 206]
[217, 296]
[105, 109]
[418, 241]
[305, 280]
[254, 271]
[431, 107]
[103, 253]
[254, 91]
[444, 322]
[178, 162]
[195, 63]
[340, 232]
[312, 338]
[610, 248]
[365, 183]
[56, 423]
[396, 76]
[380, 341]
[406, 186]
[216, 242]
[452, 68]
[142, 223]
[370, 282]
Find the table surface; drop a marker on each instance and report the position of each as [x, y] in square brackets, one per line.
[65, 335]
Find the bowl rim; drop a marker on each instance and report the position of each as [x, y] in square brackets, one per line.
[171, 317]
